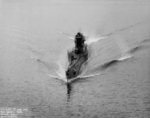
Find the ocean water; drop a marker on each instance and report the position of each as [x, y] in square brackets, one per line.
[35, 37]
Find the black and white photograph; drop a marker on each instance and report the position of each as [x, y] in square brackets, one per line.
[74, 59]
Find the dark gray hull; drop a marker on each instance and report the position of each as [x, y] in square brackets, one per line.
[75, 64]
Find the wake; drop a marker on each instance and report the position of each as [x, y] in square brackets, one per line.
[114, 49]
[90, 41]
[103, 51]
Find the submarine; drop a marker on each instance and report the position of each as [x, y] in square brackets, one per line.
[77, 57]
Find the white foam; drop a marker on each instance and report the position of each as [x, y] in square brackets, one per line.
[125, 56]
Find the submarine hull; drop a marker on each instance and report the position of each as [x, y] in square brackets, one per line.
[76, 62]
